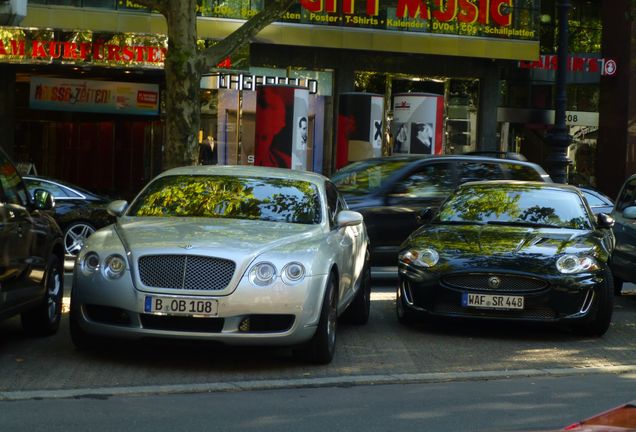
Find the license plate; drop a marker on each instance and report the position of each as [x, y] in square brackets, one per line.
[184, 306]
[490, 301]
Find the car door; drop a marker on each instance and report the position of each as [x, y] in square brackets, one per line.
[400, 213]
[17, 240]
[624, 256]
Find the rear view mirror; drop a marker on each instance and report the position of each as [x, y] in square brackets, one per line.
[43, 200]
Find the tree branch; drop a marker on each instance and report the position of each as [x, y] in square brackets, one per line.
[211, 56]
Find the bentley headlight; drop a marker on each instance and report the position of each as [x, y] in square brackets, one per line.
[422, 258]
[570, 264]
[263, 274]
[293, 273]
[114, 266]
[90, 263]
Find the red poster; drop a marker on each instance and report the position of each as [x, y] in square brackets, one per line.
[274, 126]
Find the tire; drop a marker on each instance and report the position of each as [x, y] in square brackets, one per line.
[618, 286]
[74, 236]
[322, 346]
[405, 316]
[44, 319]
[360, 307]
[597, 324]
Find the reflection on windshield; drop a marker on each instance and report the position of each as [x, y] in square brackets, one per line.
[516, 205]
[366, 176]
[270, 199]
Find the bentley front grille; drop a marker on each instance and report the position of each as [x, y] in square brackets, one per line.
[494, 282]
[190, 272]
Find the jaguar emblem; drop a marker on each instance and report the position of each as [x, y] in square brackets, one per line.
[494, 282]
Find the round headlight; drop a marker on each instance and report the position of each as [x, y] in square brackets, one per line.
[421, 258]
[114, 266]
[569, 264]
[293, 273]
[263, 274]
[90, 263]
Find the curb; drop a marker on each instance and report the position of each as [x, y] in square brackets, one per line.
[235, 386]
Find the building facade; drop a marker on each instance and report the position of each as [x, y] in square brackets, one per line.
[480, 56]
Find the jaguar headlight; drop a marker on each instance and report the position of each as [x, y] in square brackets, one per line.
[114, 266]
[263, 274]
[569, 264]
[419, 257]
[293, 273]
[90, 263]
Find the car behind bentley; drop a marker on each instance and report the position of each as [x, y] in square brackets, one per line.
[241, 255]
[511, 251]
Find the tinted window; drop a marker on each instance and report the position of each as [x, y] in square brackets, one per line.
[433, 180]
[53, 189]
[474, 171]
[366, 176]
[269, 199]
[628, 196]
[10, 183]
[522, 172]
[593, 200]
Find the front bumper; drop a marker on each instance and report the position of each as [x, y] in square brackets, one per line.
[276, 315]
[548, 298]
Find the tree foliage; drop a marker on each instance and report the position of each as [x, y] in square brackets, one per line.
[185, 63]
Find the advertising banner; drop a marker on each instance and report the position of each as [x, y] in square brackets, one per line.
[418, 123]
[281, 128]
[61, 94]
[359, 127]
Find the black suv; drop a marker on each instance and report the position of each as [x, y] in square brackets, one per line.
[31, 254]
[393, 191]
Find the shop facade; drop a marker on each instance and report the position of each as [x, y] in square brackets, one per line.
[453, 52]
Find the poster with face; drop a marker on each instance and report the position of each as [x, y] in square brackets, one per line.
[274, 126]
[300, 148]
[418, 120]
[360, 116]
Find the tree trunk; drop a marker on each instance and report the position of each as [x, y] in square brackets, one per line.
[183, 78]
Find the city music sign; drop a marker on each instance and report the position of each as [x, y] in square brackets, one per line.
[504, 19]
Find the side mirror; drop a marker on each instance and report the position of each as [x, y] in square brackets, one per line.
[349, 218]
[604, 221]
[426, 215]
[629, 212]
[43, 199]
[117, 208]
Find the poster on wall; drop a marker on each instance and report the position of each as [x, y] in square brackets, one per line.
[418, 120]
[359, 127]
[281, 118]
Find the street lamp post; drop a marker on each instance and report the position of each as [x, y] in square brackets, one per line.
[557, 161]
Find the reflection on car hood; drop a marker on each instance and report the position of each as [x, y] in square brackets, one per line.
[496, 240]
[229, 235]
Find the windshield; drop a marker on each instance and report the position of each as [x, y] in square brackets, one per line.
[366, 176]
[269, 199]
[516, 205]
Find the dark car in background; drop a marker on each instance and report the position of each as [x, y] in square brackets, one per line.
[31, 254]
[78, 211]
[508, 250]
[393, 191]
[599, 202]
[624, 258]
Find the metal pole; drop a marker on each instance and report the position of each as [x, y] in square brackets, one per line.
[557, 161]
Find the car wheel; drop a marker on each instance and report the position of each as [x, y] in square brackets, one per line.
[597, 324]
[358, 311]
[618, 285]
[404, 315]
[44, 319]
[75, 236]
[321, 348]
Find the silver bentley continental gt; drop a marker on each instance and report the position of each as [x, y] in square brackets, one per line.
[235, 254]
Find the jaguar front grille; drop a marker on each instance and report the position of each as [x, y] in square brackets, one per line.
[189, 272]
[494, 282]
